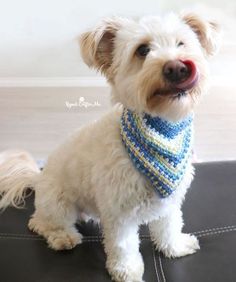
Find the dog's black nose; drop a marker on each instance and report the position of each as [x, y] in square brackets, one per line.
[176, 71]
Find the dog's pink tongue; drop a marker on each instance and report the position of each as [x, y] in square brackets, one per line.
[192, 79]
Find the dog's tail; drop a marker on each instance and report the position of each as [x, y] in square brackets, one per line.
[17, 173]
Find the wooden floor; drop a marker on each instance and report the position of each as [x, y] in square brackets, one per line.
[37, 119]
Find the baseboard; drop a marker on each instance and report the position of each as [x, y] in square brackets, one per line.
[81, 81]
[52, 82]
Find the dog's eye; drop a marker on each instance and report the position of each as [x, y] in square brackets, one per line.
[181, 43]
[143, 50]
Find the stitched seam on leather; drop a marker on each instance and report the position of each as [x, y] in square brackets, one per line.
[214, 229]
[162, 270]
[25, 237]
[217, 232]
[91, 240]
[155, 264]
[100, 239]
[22, 238]
[19, 235]
[36, 237]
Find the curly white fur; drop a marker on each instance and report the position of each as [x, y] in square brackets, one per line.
[91, 174]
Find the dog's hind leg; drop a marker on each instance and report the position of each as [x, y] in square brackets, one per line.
[55, 218]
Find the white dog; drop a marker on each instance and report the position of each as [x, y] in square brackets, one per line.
[132, 166]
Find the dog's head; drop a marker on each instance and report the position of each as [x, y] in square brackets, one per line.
[154, 65]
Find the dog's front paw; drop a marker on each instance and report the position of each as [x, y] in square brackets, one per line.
[124, 271]
[63, 240]
[182, 245]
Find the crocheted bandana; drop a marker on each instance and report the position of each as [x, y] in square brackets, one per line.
[159, 149]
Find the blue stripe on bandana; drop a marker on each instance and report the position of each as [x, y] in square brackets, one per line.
[159, 149]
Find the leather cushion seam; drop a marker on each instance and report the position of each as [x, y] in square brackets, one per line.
[155, 264]
[216, 232]
[207, 232]
[214, 229]
[161, 268]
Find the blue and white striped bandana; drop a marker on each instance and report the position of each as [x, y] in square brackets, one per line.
[159, 149]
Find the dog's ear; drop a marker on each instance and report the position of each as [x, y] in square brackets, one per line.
[97, 45]
[208, 32]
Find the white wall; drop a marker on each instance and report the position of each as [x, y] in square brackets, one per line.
[38, 37]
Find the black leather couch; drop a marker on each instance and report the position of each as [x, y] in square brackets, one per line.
[209, 211]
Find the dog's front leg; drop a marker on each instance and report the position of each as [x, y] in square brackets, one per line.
[168, 238]
[124, 261]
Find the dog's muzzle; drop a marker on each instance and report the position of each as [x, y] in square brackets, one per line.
[181, 75]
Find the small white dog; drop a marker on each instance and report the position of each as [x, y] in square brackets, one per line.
[132, 166]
